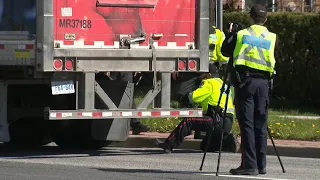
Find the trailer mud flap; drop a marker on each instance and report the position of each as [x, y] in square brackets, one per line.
[121, 93]
[4, 129]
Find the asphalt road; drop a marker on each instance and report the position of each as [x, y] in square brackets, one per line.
[52, 163]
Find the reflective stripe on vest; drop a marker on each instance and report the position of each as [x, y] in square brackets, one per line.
[259, 44]
[213, 38]
[253, 58]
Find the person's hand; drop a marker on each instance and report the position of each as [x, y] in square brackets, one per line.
[175, 75]
[231, 26]
[185, 102]
[107, 73]
[136, 73]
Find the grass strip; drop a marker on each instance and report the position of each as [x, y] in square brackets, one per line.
[281, 128]
[288, 128]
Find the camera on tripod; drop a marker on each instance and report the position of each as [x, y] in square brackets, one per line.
[235, 27]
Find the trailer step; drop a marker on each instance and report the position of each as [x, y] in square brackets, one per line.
[111, 114]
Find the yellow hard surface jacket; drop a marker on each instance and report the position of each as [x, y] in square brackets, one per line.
[215, 43]
[209, 92]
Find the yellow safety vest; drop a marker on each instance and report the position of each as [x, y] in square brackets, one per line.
[255, 48]
[209, 92]
[217, 39]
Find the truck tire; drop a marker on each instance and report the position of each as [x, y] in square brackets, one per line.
[28, 132]
[75, 134]
[27, 126]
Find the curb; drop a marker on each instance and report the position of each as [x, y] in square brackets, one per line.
[194, 144]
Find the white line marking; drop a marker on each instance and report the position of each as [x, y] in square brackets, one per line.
[106, 114]
[126, 114]
[53, 115]
[244, 177]
[146, 113]
[66, 115]
[165, 113]
[184, 35]
[89, 114]
[184, 113]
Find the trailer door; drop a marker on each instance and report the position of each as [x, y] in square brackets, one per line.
[18, 15]
[17, 32]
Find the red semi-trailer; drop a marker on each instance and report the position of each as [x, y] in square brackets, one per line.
[53, 51]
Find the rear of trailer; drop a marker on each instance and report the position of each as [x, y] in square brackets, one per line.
[54, 55]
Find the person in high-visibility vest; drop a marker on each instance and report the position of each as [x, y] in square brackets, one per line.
[215, 42]
[207, 95]
[252, 51]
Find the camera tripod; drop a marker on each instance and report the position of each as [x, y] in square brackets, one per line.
[227, 92]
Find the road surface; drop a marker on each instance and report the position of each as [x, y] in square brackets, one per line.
[52, 163]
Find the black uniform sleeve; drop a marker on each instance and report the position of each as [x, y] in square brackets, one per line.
[229, 44]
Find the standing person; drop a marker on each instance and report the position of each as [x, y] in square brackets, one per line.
[207, 95]
[216, 38]
[252, 51]
[136, 125]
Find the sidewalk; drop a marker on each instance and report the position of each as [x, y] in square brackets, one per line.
[292, 148]
[302, 117]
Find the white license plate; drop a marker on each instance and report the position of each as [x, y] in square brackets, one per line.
[62, 87]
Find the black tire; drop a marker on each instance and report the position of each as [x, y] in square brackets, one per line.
[28, 133]
[75, 134]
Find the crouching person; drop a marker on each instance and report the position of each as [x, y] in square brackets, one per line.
[207, 96]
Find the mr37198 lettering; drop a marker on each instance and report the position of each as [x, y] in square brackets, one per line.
[75, 23]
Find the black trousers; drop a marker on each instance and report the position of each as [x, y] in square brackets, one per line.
[125, 76]
[252, 102]
[204, 123]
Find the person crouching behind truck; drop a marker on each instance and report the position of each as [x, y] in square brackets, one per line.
[207, 96]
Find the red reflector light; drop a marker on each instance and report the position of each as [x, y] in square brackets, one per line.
[1, 46]
[192, 64]
[29, 46]
[57, 64]
[69, 64]
[181, 65]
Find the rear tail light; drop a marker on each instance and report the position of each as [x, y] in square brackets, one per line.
[69, 64]
[29, 46]
[57, 64]
[192, 65]
[181, 65]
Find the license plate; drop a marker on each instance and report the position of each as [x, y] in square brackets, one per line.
[62, 87]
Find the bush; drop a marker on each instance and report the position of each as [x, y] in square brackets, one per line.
[297, 56]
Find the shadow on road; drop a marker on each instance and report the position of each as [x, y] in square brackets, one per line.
[150, 171]
[56, 152]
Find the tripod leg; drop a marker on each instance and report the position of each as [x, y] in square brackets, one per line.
[210, 133]
[222, 133]
[275, 149]
[215, 114]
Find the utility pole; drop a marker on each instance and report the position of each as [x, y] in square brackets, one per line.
[212, 15]
[219, 11]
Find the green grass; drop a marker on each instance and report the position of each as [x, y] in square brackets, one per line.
[280, 127]
[291, 129]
